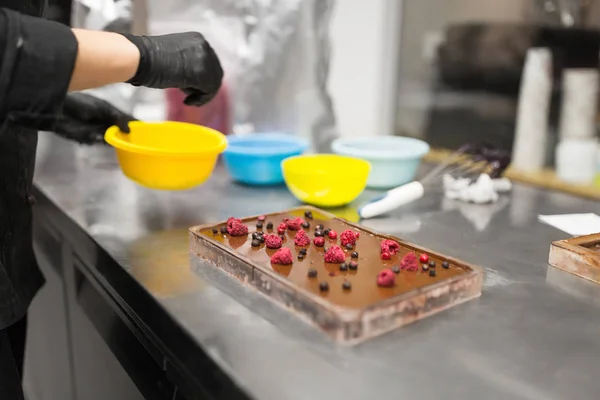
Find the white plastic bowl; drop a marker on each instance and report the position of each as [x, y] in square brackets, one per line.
[394, 159]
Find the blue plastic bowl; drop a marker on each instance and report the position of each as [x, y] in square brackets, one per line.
[255, 159]
[394, 159]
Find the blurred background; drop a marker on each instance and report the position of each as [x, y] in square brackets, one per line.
[446, 72]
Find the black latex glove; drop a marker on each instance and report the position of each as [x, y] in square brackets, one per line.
[85, 118]
[182, 60]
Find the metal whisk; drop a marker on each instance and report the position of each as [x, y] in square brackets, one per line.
[468, 162]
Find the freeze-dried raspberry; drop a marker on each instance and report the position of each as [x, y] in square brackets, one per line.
[335, 255]
[235, 227]
[319, 241]
[273, 241]
[281, 228]
[301, 239]
[349, 237]
[294, 224]
[386, 278]
[233, 221]
[389, 246]
[282, 256]
[386, 256]
[409, 262]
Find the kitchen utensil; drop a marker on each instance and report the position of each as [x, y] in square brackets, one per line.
[394, 159]
[167, 155]
[326, 180]
[468, 162]
[255, 159]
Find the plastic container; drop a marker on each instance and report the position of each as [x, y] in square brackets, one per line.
[326, 180]
[215, 115]
[255, 159]
[394, 159]
[167, 155]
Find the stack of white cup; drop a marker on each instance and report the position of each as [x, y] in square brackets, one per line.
[531, 134]
[577, 150]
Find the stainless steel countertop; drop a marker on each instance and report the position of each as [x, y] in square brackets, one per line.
[534, 333]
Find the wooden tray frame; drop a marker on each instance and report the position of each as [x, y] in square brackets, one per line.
[345, 326]
[575, 256]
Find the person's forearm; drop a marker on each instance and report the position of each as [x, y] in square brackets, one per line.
[41, 60]
[103, 58]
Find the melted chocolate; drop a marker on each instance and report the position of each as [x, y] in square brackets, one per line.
[363, 280]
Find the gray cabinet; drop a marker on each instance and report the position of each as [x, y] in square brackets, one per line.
[48, 368]
[81, 344]
[98, 373]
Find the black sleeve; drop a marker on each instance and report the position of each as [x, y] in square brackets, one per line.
[37, 58]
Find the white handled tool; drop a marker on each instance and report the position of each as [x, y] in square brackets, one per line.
[393, 199]
[402, 195]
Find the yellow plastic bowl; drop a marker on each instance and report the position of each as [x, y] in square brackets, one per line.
[325, 180]
[167, 155]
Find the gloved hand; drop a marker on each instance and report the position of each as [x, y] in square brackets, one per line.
[85, 118]
[182, 60]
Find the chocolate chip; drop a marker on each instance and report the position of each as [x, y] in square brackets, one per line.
[215, 231]
[326, 231]
[305, 225]
[303, 251]
[349, 246]
[312, 273]
[300, 256]
[346, 285]
[308, 214]
[343, 267]
[354, 254]
[281, 237]
[396, 269]
[425, 267]
[323, 286]
[432, 272]
[269, 225]
[319, 233]
[353, 265]
[255, 235]
[431, 264]
[259, 224]
[255, 243]
[262, 239]
[325, 249]
[445, 264]
[223, 229]
[320, 227]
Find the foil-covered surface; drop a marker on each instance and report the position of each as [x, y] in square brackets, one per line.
[275, 53]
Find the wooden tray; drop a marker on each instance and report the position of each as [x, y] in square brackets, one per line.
[579, 256]
[346, 323]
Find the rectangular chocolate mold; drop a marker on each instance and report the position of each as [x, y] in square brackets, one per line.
[346, 319]
[579, 256]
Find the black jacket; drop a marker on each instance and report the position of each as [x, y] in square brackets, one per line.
[36, 63]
